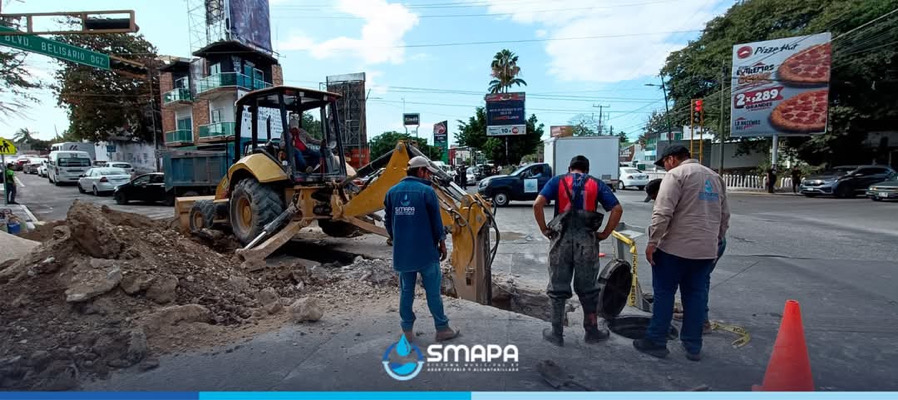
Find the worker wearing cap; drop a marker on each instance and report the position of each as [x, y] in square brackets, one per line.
[689, 219]
[413, 222]
[574, 250]
[651, 192]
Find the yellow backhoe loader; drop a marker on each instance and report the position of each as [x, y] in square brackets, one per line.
[272, 190]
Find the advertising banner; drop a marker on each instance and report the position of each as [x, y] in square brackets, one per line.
[781, 87]
[249, 23]
[505, 114]
[411, 119]
[441, 138]
[562, 131]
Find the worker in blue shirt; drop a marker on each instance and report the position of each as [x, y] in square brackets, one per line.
[574, 250]
[413, 222]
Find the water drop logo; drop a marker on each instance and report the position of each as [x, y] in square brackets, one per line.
[405, 202]
[406, 369]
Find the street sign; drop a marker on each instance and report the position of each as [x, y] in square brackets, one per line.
[7, 147]
[441, 138]
[52, 48]
[411, 119]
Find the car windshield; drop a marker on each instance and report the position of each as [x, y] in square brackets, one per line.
[631, 171]
[74, 162]
[121, 165]
[111, 171]
[838, 171]
[519, 170]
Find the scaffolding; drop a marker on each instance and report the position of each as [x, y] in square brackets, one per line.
[351, 109]
[207, 20]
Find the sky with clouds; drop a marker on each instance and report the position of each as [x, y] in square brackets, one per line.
[432, 56]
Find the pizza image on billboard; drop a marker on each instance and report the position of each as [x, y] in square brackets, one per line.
[781, 86]
[804, 113]
[808, 67]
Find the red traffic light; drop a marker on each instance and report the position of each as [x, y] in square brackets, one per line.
[698, 105]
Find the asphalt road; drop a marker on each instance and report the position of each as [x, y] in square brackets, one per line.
[837, 257]
[48, 202]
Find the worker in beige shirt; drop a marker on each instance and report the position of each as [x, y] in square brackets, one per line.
[690, 217]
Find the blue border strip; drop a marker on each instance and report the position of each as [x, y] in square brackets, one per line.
[335, 396]
[99, 396]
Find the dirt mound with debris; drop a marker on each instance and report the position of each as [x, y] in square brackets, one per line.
[109, 290]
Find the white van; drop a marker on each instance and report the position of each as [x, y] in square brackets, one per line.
[67, 166]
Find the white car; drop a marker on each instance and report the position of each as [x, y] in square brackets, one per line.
[123, 165]
[470, 176]
[102, 180]
[632, 177]
[33, 164]
[42, 170]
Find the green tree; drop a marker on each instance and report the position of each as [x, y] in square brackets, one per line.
[584, 125]
[623, 137]
[505, 71]
[102, 103]
[863, 85]
[386, 142]
[23, 135]
[17, 85]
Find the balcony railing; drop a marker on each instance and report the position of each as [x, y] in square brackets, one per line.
[221, 129]
[175, 95]
[230, 79]
[179, 136]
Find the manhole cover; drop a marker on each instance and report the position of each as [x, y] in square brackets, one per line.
[614, 283]
[634, 326]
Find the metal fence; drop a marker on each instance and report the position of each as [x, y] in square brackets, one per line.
[742, 182]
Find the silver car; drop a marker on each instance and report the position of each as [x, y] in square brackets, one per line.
[102, 180]
[123, 165]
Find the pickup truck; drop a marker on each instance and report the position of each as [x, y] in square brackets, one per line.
[523, 184]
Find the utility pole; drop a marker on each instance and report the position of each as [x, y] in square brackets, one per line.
[723, 79]
[601, 108]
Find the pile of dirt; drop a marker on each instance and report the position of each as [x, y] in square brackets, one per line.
[111, 290]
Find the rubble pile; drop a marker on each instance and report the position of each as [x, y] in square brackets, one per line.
[109, 290]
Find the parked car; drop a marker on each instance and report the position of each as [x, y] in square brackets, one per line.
[123, 165]
[632, 177]
[445, 168]
[19, 164]
[845, 181]
[42, 170]
[102, 180]
[470, 176]
[100, 163]
[885, 190]
[147, 187]
[522, 184]
[33, 164]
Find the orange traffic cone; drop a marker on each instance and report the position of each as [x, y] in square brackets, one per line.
[789, 368]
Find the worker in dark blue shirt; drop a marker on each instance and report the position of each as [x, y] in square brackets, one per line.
[413, 222]
[574, 250]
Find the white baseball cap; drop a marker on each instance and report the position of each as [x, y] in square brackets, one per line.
[419, 162]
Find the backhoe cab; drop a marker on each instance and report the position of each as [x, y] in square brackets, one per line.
[269, 170]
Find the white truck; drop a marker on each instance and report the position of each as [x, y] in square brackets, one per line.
[603, 153]
[89, 148]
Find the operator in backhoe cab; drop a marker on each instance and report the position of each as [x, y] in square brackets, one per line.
[574, 251]
[307, 158]
[413, 222]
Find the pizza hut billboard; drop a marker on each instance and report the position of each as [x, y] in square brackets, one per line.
[781, 87]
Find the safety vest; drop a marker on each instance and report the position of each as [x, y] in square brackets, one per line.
[297, 142]
[569, 190]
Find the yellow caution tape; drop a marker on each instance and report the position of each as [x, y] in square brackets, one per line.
[744, 336]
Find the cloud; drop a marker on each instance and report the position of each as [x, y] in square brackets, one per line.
[607, 59]
[384, 28]
[371, 78]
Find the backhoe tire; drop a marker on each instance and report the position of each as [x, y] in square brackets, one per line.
[338, 228]
[201, 215]
[253, 205]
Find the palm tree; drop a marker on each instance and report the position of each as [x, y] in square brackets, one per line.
[23, 135]
[505, 71]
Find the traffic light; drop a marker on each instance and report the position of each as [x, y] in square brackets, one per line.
[698, 105]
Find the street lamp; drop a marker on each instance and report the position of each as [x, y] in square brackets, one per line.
[666, 107]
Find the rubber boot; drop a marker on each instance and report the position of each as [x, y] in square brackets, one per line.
[555, 334]
[593, 333]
